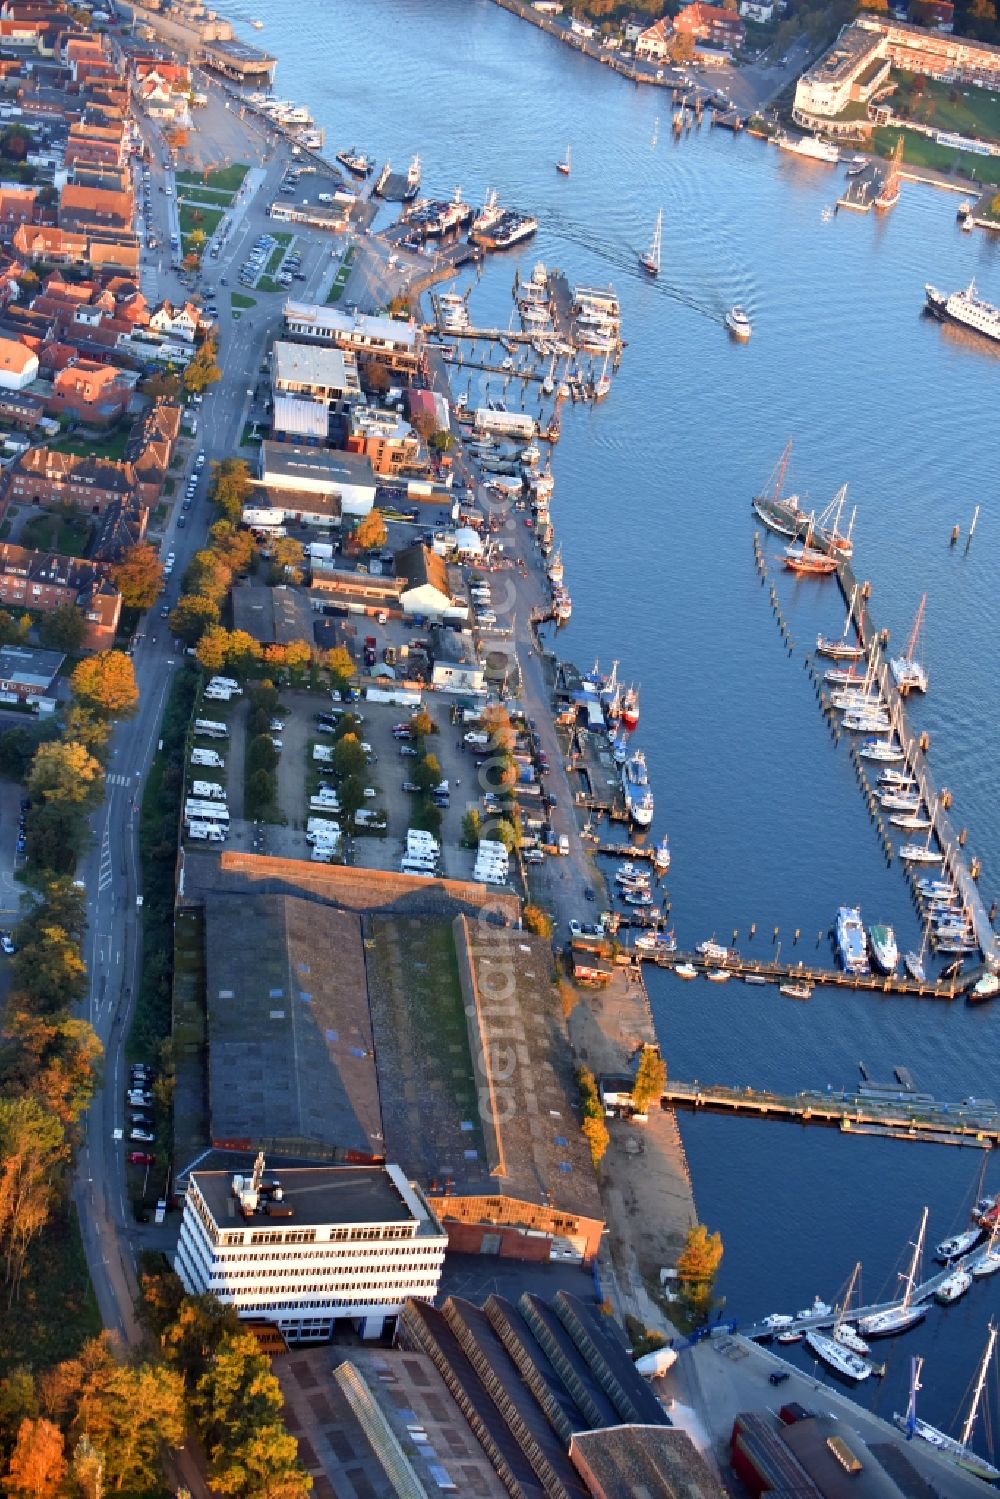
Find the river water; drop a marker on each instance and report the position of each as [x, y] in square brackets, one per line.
[652, 512]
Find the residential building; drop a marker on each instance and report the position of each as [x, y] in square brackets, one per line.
[953, 59]
[26, 675]
[87, 208]
[547, 7]
[18, 364]
[42, 581]
[307, 1246]
[17, 206]
[176, 322]
[760, 11]
[122, 526]
[380, 340]
[457, 667]
[583, 29]
[44, 478]
[22, 411]
[427, 592]
[710, 23]
[653, 44]
[305, 471]
[97, 394]
[325, 374]
[387, 440]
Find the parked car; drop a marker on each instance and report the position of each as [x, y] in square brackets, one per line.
[7, 943]
[144, 1135]
[141, 1158]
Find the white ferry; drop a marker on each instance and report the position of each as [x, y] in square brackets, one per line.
[966, 308]
[850, 934]
[810, 147]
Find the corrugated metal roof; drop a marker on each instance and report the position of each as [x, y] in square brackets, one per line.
[300, 418]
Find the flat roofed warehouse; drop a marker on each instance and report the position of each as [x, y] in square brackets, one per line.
[290, 1041]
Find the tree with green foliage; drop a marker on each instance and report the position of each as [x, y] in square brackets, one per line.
[209, 575]
[348, 757]
[191, 616]
[472, 824]
[441, 441]
[131, 1414]
[351, 795]
[650, 1078]
[49, 973]
[287, 558]
[261, 754]
[55, 835]
[139, 576]
[64, 771]
[238, 1406]
[427, 773]
[63, 903]
[105, 684]
[62, 629]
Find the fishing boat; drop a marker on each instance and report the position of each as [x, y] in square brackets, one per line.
[840, 1359]
[985, 988]
[712, 951]
[686, 971]
[819, 1308]
[909, 674]
[630, 708]
[882, 750]
[958, 1244]
[959, 1450]
[850, 939]
[795, 991]
[635, 785]
[566, 165]
[555, 568]
[739, 324]
[661, 855]
[953, 1287]
[791, 1335]
[650, 259]
[356, 162]
[906, 1313]
[885, 953]
[619, 747]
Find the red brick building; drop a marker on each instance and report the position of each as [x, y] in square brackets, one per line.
[42, 581]
[710, 23]
[92, 393]
[45, 478]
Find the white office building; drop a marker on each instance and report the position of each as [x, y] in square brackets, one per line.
[305, 1246]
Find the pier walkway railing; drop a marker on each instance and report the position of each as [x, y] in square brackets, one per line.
[914, 1119]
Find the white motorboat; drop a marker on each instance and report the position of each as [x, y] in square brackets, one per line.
[791, 1335]
[958, 1244]
[777, 1321]
[986, 987]
[910, 822]
[919, 853]
[840, 1359]
[881, 750]
[718, 975]
[739, 324]
[900, 778]
[819, 1308]
[712, 951]
[900, 801]
[686, 971]
[885, 953]
[953, 1287]
[795, 991]
[848, 1334]
[959, 1450]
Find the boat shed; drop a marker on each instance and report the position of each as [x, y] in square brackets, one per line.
[427, 592]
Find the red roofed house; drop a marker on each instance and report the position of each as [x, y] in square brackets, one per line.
[710, 23]
[93, 393]
[93, 208]
[45, 478]
[18, 364]
[17, 206]
[654, 43]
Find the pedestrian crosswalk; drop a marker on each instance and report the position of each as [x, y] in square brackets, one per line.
[106, 875]
[116, 779]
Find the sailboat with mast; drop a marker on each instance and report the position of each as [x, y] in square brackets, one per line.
[910, 675]
[914, 962]
[960, 1449]
[807, 559]
[650, 260]
[566, 165]
[844, 648]
[905, 1313]
[780, 513]
[828, 535]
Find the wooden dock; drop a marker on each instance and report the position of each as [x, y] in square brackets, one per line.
[807, 973]
[906, 1117]
[949, 840]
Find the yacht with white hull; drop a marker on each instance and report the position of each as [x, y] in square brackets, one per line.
[840, 1359]
[906, 1313]
[958, 1449]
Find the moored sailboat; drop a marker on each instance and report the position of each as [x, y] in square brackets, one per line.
[959, 1450]
[906, 1313]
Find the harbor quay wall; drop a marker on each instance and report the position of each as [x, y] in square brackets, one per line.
[581, 44]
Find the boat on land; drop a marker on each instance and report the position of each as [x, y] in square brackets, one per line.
[966, 308]
[850, 939]
[906, 1313]
[958, 1449]
[739, 323]
[885, 953]
[565, 166]
[650, 259]
[795, 991]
